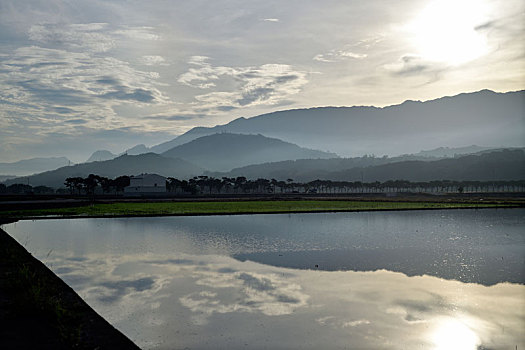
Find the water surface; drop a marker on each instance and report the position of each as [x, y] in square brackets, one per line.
[392, 280]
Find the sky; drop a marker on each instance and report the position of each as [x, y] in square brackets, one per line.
[82, 75]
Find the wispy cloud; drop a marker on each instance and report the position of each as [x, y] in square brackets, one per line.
[265, 84]
[68, 78]
[338, 55]
[86, 37]
[140, 33]
[151, 60]
[271, 19]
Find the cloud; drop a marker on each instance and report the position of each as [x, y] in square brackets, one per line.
[333, 321]
[408, 64]
[271, 19]
[267, 84]
[338, 55]
[268, 294]
[414, 65]
[178, 117]
[117, 289]
[91, 36]
[43, 83]
[354, 51]
[140, 33]
[153, 60]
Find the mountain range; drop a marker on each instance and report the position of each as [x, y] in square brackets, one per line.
[123, 165]
[32, 166]
[484, 117]
[249, 147]
[495, 165]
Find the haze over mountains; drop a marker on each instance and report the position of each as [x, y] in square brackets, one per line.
[32, 166]
[225, 151]
[483, 118]
[123, 165]
[243, 147]
[101, 155]
[491, 166]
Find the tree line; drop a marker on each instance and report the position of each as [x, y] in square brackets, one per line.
[88, 184]
[202, 185]
[239, 185]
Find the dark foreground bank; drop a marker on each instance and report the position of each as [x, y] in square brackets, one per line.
[39, 311]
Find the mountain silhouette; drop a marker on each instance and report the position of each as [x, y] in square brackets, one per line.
[101, 155]
[225, 151]
[32, 166]
[491, 166]
[123, 165]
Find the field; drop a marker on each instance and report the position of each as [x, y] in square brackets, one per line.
[234, 207]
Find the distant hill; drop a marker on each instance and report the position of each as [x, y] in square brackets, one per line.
[32, 166]
[6, 177]
[450, 152]
[497, 165]
[494, 166]
[224, 151]
[483, 117]
[309, 169]
[100, 156]
[123, 165]
[138, 149]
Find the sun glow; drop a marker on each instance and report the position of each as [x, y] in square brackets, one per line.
[448, 31]
[452, 334]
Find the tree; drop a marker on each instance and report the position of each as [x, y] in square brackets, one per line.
[90, 183]
[19, 189]
[43, 190]
[105, 183]
[120, 183]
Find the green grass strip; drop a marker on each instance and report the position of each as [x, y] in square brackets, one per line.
[236, 207]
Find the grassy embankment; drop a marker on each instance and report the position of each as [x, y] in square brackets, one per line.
[236, 207]
[39, 311]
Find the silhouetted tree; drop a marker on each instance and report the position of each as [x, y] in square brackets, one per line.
[120, 183]
[19, 189]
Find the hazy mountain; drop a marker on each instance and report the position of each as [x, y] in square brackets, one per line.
[448, 152]
[224, 151]
[497, 165]
[32, 166]
[123, 165]
[101, 155]
[138, 149]
[310, 169]
[494, 166]
[483, 117]
[6, 177]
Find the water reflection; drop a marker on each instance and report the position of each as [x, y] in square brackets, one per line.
[211, 301]
[452, 334]
[479, 246]
[171, 283]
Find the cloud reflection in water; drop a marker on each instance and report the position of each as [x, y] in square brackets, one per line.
[211, 301]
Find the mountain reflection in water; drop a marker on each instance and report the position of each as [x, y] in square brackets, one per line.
[174, 283]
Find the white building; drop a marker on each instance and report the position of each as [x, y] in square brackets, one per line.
[146, 183]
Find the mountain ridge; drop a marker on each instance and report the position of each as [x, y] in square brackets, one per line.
[482, 117]
[32, 165]
[122, 165]
[225, 151]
